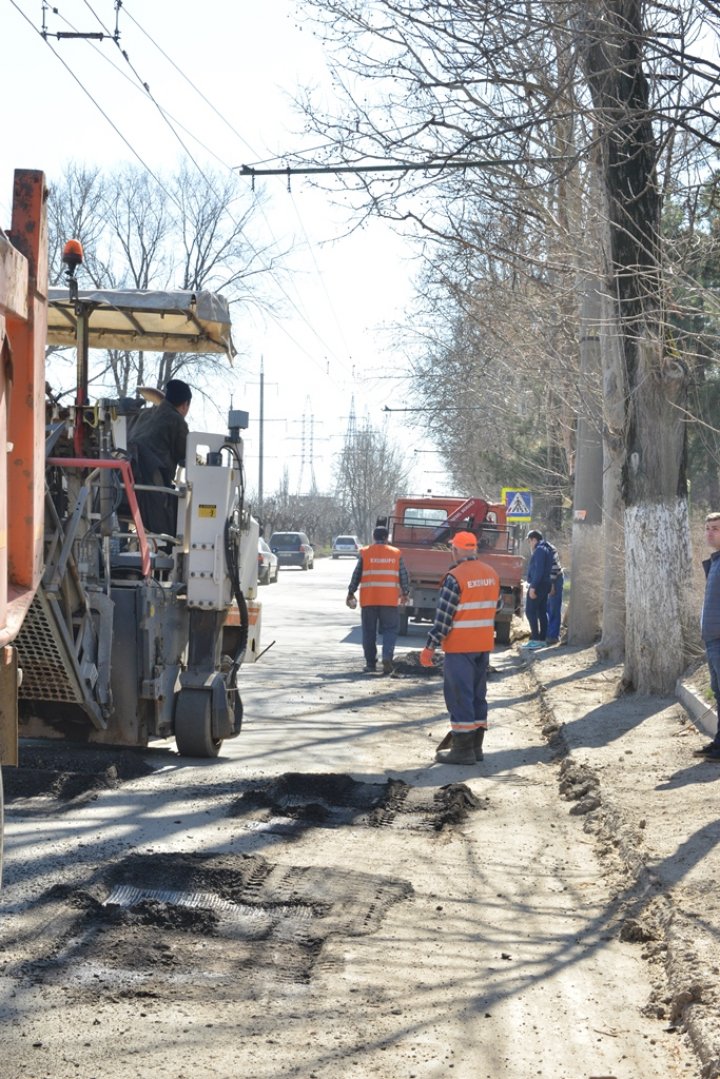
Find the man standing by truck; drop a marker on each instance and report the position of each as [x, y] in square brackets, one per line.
[539, 582]
[465, 627]
[383, 581]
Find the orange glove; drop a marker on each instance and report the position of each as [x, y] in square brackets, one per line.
[426, 657]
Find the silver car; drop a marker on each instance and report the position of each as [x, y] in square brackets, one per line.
[345, 546]
[267, 563]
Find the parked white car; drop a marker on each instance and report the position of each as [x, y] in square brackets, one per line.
[267, 563]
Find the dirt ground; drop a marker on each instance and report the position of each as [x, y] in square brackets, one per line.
[326, 900]
[629, 761]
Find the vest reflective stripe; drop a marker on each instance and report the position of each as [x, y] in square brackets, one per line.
[473, 628]
[380, 581]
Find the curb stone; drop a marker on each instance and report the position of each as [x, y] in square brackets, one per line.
[701, 713]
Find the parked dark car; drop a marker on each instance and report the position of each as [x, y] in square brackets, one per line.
[292, 549]
[268, 564]
[345, 546]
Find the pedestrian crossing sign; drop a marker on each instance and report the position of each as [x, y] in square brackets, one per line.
[518, 503]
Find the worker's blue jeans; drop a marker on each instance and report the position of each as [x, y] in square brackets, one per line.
[387, 621]
[712, 651]
[465, 688]
[554, 609]
[537, 615]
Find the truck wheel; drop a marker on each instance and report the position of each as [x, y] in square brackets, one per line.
[502, 632]
[193, 724]
[403, 624]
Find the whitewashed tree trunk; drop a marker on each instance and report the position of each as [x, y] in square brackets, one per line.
[656, 536]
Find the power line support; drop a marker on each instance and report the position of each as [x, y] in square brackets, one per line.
[261, 453]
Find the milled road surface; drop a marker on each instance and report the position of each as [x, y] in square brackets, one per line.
[324, 900]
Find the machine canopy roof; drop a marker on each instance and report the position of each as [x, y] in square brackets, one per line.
[180, 321]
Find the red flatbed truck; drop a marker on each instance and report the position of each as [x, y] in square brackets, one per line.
[422, 528]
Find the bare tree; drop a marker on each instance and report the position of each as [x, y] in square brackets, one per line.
[370, 476]
[190, 231]
[534, 98]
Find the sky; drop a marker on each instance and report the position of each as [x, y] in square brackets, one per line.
[326, 354]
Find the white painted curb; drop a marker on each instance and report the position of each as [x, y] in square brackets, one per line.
[701, 713]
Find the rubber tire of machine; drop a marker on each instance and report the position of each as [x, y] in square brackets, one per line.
[2, 824]
[193, 724]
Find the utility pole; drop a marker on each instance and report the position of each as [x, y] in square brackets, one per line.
[261, 454]
[584, 610]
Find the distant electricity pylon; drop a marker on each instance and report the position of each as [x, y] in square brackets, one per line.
[307, 453]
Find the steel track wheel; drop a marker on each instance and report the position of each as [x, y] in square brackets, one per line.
[193, 724]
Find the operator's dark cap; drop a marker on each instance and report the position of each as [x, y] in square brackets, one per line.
[380, 534]
[534, 534]
[178, 392]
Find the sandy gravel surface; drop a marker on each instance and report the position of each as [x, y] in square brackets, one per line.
[656, 815]
[325, 900]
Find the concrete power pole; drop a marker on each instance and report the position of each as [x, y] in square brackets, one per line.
[586, 572]
[261, 455]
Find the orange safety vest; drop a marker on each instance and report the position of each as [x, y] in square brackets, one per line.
[473, 628]
[380, 581]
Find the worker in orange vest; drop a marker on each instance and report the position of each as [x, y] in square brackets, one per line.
[465, 628]
[381, 575]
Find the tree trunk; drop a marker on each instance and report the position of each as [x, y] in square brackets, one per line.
[653, 483]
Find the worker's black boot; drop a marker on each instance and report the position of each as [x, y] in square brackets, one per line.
[461, 749]
[478, 737]
[446, 742]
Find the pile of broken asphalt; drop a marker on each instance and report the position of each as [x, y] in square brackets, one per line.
[626, 765]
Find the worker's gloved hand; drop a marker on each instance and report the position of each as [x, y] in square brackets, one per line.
[426, 657]
[351, 602]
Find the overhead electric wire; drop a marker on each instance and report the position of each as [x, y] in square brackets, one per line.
[84, 89]
[188, 80]
[146, 87]
[321, 279]
[164, 114]
[167, 117]
[302, 315]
